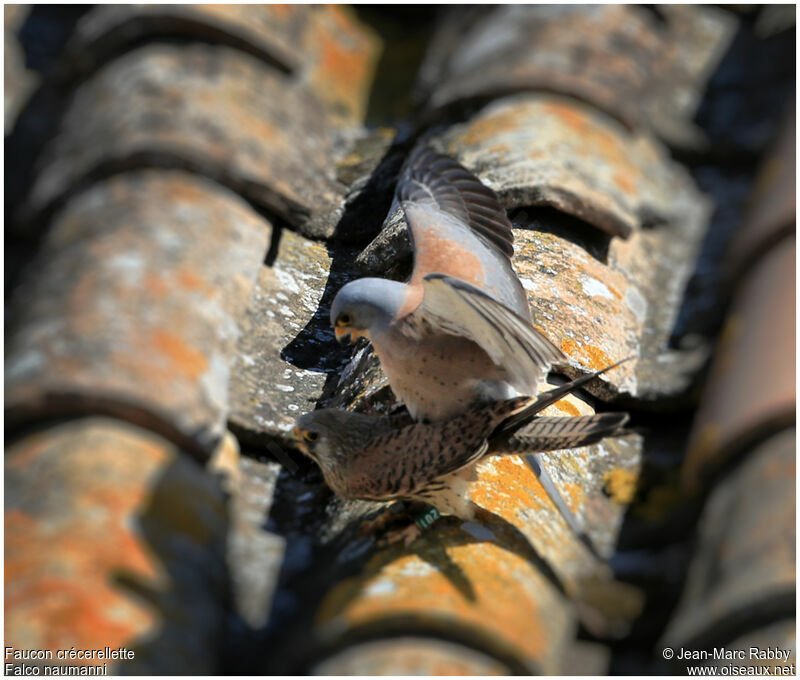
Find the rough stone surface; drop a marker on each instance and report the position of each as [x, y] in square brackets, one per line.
[113, 537]
[17, 79]
[647, 68]
[134, 304]
[751, 388]
[462, 586]
[747, 541]
[287, 349]
[210, 109]
[323, 46]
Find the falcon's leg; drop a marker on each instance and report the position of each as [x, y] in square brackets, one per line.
[396, 513]
[413, 531]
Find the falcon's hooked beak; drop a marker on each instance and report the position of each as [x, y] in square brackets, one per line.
[347, 334]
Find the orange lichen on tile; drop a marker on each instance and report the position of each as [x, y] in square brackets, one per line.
[567, 407]
[589, 355]
[59, 575]
[346, 62]
[77, 565]
[598, 358]
[495, 597]
[620, 485]
[614, 291]
[189, 361]
[191, 281]
[574, 496]
[280, 11]
[623, 182]
[155, 286]
[568, 114]
[569, 347]
[489, 126]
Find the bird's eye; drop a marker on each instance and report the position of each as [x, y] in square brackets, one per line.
[343, 320]
[310, 436]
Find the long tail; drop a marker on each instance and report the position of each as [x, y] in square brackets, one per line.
[549, 434]
[524, 430]
[545, 399]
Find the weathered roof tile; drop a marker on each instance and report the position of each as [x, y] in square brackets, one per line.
[212, 110]
[323, 46]
[751, 388]
[644, 67]
[747, 541]
[548, 150]
[771, 209]
[134, 305]
[287, 349]
[96, 513]
[409, 655]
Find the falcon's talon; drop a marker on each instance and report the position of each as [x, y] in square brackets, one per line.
[407, 535]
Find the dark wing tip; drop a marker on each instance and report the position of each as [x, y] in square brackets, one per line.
[429, 175]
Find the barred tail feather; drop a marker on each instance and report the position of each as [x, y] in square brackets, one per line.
[549, 434]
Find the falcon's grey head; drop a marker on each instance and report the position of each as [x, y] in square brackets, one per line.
[331, 437]
[331, 433]
[366, 306]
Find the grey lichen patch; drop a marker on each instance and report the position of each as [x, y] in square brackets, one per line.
[135, 310]
[389, 248]
[287, 349]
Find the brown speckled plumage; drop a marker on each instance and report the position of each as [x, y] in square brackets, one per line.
[391, 457]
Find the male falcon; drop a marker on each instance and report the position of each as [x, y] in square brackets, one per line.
[459, 332]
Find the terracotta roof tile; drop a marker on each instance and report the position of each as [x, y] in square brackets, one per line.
[131, 308]
[323, 46]
[212, 110]
[747, 542]
[98, 512]
[647, 68]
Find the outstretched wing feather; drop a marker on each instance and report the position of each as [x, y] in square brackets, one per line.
[457, 308]
[429, 177]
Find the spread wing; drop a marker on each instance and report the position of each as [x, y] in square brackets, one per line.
[456, 308]
[429, 178]
[458, 226]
